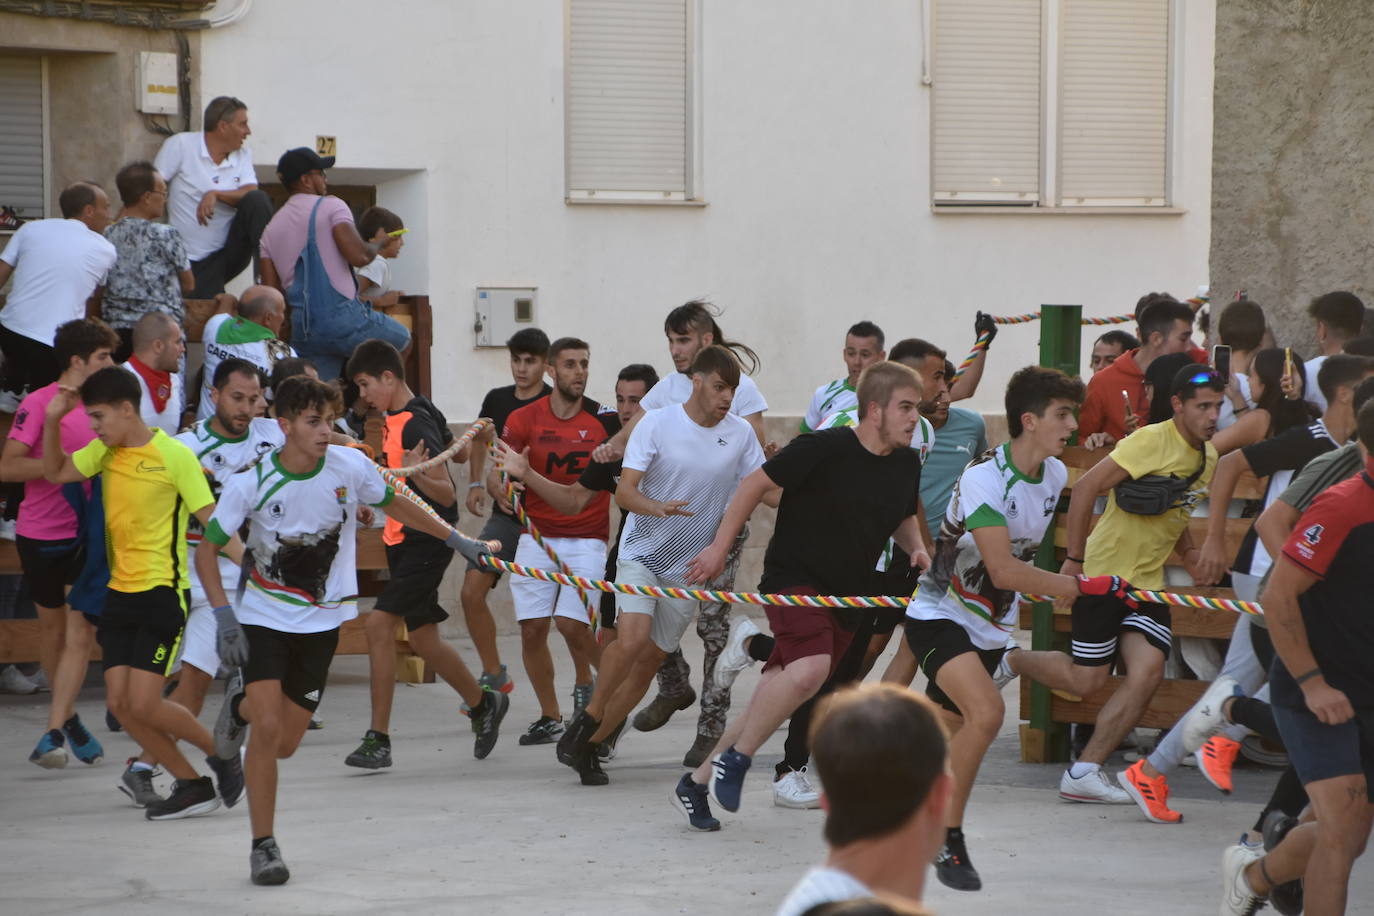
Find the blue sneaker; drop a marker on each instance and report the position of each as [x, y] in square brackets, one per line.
[50, 753]
[694, 801]
[727, 777]
[84, 745]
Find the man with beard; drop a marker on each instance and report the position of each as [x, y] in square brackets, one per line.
[559, 432]
[845, 492]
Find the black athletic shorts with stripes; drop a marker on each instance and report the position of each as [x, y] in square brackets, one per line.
[1099, 619]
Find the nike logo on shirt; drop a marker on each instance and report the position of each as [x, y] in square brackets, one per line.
[145, 468]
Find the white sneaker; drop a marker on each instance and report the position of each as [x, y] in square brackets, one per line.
[794, 790]
[1237, 897]
[9, 402]
[734, 658]
[40, 681]
[1205, 719]
[1094, 789]
[7, 528]
[12, 680]
[1004, 675]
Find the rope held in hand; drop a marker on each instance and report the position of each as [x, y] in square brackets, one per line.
[565, 572]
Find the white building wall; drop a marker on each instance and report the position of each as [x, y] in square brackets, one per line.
[816, 173]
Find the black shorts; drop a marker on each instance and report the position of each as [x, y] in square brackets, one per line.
[1099, 619]
[504, 528]
[49, 567]
[935, 642]
[142, 629]
[299, 660]
[417, 567]
[1319, 751]
[28, 363]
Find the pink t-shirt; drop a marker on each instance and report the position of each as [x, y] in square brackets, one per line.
[284, 239]
[45, 514]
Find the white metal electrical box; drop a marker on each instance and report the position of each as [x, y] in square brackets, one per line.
[157, 83]
[501, 311]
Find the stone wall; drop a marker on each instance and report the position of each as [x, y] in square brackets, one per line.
[1293, 178]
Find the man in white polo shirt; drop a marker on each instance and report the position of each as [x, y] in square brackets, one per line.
[213, 197]
[57, 264]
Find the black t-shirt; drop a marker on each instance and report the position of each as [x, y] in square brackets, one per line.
[419, 421]
[1277, 458]
[604, 477]
[840, 503]
[499, 404]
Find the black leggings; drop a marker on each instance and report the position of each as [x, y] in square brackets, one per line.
[1288, 796]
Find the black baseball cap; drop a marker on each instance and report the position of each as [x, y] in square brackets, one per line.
[296, 162]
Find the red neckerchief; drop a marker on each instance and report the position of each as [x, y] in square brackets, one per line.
[159, 383]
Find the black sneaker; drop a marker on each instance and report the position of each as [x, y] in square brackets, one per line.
[606, 749]
[952, 865]
[228, 778]
[486, 722]
[543, 730]
[266, 865]
[229, 730]
[579, 730]
[189, 798]
[693, 800]
[1287, 898]
[588, 765]
[373, 754]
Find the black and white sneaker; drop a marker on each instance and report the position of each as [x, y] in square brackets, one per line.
[228, 778]
[582, 727]
[229, 729]
[486, 722]
[606, 750]
[1287, 898]
[543, 730]
[952, 865]
[266, 864]
[190, 797]
[694, 801]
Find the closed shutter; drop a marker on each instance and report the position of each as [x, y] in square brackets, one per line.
[21, 135]
[986, 104]
[628, 80]
[1114, 84]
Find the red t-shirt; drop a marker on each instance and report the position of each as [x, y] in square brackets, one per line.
[561, 450]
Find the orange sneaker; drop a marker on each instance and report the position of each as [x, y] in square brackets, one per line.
[1215, 759]
[1152, 795]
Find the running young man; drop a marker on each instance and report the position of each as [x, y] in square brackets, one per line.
[682, 465]
[529, 355]
[151, 484]
[1133, 546]
[691, 328]
[413, 429]
[961, 622]
[560, 432]
[300, 503]
[863, 346]
[50, 542]
[845, 491]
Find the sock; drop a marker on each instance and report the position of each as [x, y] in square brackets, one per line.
[260, 840]
[234, 704]
[1081, 769]
[954, 833]
[139, 766]
[56, 737]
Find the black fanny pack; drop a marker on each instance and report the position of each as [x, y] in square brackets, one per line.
[1155, 494]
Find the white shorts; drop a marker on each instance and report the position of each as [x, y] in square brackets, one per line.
[198, 639]
[535, 599]
[672, 616]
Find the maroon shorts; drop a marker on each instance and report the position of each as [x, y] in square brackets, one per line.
[800, 632]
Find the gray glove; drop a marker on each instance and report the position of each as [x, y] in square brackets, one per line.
[230, 641]
[472, 549]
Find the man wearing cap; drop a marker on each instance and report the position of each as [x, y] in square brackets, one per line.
[308, 250]
[213, 198]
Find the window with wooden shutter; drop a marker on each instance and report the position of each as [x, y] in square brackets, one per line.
[21, 135]
[1114, 102]
[629, 99]
[986, 101]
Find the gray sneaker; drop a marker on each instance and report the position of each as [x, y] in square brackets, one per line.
[229, 731]
[138, 785]
[266, 864]
[582, 695]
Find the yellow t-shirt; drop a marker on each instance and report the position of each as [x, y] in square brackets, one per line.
[1136, 546]
[149, 493]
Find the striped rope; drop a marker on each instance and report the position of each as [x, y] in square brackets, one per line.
[454, 448]
[565, 573]
[979, 346]
[830, 601]
[1028, 317]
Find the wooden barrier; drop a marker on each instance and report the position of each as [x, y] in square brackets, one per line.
[1175, 696]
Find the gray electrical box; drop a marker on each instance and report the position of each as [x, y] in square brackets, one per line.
[501, 311]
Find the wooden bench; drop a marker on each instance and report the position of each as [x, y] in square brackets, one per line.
[1041, 740]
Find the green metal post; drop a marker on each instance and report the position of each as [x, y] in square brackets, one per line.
[1060, 341]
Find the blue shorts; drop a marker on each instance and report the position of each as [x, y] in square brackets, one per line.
[1319, 751]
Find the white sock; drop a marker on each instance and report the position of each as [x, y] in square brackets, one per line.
[139, 765]
[1081, 769]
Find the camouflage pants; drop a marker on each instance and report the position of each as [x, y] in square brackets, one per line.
[713, 626]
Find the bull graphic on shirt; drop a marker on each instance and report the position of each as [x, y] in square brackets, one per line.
[300, 562]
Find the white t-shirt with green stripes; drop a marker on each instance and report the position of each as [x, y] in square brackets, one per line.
[829, 398]
[991, 492]
[921, 440]
[303, 534]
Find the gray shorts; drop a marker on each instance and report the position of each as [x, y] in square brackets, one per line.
[672, 616]
[504, 528]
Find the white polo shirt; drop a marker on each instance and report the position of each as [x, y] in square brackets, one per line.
[185, 163]
[57, 264]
